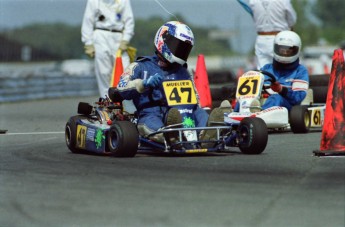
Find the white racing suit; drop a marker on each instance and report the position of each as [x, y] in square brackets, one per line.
[105, 24]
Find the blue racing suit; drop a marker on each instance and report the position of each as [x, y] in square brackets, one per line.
[294, 78]
[151, 103]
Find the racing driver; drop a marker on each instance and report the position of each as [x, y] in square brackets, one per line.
[292, 78]
[142, 81]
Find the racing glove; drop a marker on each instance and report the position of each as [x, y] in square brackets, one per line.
[153, 81]
[89, 50]
[123, 45]
[276, 86]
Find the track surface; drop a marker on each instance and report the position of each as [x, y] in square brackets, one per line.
[43, 184]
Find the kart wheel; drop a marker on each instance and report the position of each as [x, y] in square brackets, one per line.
[71, 134]
[123, 139]
[299, 119]
[253, 135]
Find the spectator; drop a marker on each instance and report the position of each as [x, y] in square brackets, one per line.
[107, 26]
[270, 17]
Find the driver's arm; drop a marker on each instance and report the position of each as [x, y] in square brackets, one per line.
[131, 82]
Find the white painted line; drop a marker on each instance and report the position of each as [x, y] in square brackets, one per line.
[30, 133]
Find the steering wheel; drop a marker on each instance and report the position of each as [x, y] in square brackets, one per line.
[271, 79]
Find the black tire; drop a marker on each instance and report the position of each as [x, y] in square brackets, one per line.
[123, 139]
[299, 119]
[221, 76]
[319, 80]
[221, 92]
[253, 135]
[71, 134]
[320, 94]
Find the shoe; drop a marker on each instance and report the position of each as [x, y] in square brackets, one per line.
[216, 116]
[173, 117]
[255, 106]
[225, 104]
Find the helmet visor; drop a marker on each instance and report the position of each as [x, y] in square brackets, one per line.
[179, 48]
[285, 51]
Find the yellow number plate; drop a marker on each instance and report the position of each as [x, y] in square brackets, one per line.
[179, 92]
[249, 85]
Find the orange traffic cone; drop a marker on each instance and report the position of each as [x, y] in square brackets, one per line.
[333, 131]
[117, 69]
[240, 72]
[202, 84]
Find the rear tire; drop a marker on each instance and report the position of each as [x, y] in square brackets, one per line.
[71, 134]
[253, 135]
[123, 139]
[299, 119]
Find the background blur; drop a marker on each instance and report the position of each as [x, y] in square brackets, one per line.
[41, 38]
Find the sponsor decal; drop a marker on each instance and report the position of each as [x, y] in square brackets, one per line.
[196, 151]
[186, 37]
[99, 138]
[90, 134]
[123, 81]
[178, 84]
[270, 110]
[186, 111]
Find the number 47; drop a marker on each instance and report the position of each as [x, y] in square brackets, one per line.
[175, 95]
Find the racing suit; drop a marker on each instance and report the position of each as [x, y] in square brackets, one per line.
[151, 104]
[105, 24]
[295, 81]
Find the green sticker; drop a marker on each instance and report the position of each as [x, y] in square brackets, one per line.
[99, 138]
[188, 122]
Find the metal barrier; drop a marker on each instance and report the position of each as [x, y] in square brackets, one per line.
[50, 85]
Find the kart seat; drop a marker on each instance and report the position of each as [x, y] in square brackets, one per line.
[309, 99]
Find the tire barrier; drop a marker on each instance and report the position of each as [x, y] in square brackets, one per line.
[222, 85]
[319, 84]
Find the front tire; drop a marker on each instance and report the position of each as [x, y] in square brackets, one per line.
[299, 119]
[123, 139]
[253, 135]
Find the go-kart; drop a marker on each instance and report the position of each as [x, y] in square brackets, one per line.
[106, 128]
[252, 91]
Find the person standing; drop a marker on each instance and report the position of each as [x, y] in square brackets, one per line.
[270, 17]
[108, 25]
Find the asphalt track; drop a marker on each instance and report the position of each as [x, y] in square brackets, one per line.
[43, 184]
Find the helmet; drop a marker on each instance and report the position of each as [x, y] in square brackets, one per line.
[287, 47]
[174, 41]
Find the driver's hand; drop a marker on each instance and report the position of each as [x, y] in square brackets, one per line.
[153, 81]
[277, 87]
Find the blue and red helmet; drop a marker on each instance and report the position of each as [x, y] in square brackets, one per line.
[174, 41]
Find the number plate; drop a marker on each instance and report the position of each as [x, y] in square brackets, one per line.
[249, 85]
[179, 92]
